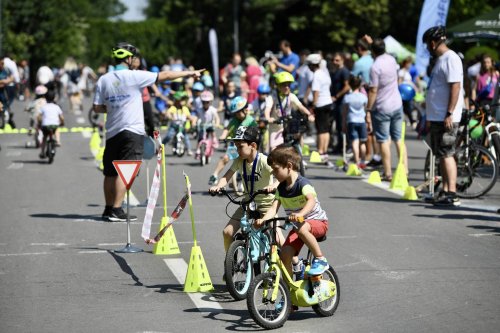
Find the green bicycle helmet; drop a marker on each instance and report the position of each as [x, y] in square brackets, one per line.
[124, 50]
[476, 129]
[180, 95]
[283, 77]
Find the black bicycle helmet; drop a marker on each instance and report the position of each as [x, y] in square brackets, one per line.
[436, 33]
[123, 50]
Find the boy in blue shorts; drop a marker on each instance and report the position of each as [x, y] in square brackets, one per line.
[298, 198]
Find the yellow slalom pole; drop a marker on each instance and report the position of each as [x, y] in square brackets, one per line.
[188, 185]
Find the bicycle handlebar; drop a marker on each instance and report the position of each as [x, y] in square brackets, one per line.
[241, 202]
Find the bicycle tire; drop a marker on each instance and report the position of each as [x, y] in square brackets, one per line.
[50, 151]
[328, 307]
[476, 173]
[238, 270]
[495, 138]
[267, 314]
[180, 148]
[203, 148]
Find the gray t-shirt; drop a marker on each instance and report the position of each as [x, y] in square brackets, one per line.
[384, 76]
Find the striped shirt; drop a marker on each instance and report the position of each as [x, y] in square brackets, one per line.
[294, 199]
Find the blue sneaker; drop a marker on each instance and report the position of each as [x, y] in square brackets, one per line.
[318, 266]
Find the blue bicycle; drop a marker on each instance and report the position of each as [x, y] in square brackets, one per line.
[246, 255]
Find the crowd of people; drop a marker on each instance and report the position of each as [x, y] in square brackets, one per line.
[350, 101]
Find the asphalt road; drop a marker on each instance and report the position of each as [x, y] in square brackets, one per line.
[404, 266]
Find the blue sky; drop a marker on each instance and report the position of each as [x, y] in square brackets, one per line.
[134, 12]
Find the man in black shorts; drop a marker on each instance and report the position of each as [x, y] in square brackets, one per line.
[119, 94]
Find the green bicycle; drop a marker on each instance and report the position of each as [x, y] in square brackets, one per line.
[271, 295]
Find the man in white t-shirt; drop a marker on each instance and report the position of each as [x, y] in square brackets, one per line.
[444, 104]
[119, 94]
[322, 103]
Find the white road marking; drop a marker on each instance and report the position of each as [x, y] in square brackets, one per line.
[414, 236]
[87, 135]
[80, 120]
[23, 254]
[49, 244]
[15, 166]
[482, 235]
[92, 251]
[179, 268]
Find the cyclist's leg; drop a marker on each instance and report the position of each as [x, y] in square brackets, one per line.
[169, 135]
[221, 164]
[44, 140]
[231, 228]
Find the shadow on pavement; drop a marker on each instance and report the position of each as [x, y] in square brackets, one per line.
[461, 217]
[487, 228]
[241, 322]
[69, 216]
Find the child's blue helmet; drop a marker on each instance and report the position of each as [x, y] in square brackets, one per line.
[237, 104]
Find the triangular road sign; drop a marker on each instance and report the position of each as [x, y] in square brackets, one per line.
[127, 170]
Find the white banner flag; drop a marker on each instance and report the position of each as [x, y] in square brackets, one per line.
[434, 12]
[153, 196]
[214, 50]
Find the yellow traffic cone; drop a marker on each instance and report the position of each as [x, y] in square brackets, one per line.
[374, 178]
[95, 143]
[305, 150]
[197, 277]
[315, 157]
[353, 170]
[168, 243]
[7, 129]
[399, 180]
[339, 163]
[410, 193]
[23, 131]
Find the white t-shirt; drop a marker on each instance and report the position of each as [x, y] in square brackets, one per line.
[321, 82]
[209, 115]
[121, 92]
[50, 114]
[305, 77]
[12, 66]
[448, 69]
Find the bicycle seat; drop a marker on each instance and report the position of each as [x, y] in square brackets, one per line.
[321, 239]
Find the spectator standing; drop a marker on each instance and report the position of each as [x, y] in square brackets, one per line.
[339, 87]
[322, 103]
[232, 72]
[289, 62]
[119, 95]
[385, 106]
[485, 82]
[304, 79]
[444, 103]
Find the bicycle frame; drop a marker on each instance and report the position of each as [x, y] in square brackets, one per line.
[300, 291]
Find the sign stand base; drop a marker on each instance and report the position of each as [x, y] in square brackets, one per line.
[129, 249]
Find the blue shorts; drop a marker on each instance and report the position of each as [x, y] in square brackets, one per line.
[357, 131]
[387, 125]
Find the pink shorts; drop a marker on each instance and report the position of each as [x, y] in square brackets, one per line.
[318, 229]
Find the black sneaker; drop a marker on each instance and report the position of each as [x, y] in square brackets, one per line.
[106, 213]
[448, 201]
[118, 215]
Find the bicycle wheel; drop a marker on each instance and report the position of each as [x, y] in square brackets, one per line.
[203, 148]
[238, 268]
[476, 171]
[266, 313]
[50, 151]
[328, 307]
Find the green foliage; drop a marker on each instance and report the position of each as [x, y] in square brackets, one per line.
[475, 51]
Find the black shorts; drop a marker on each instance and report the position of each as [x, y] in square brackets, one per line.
[123, 146]
[323, 119]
